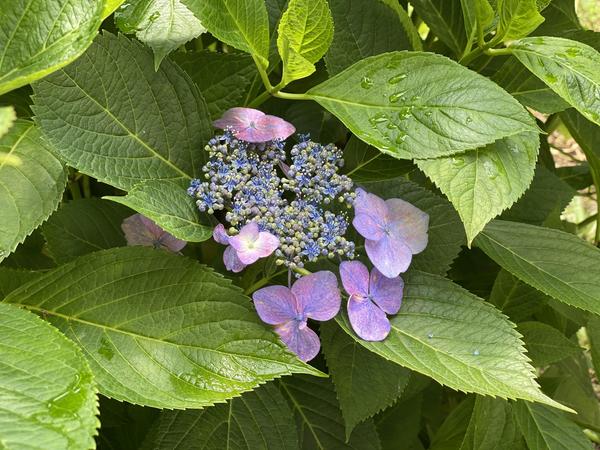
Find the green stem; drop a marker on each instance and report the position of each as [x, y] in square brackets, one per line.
[290, 95]
[85, 181]
[465, 60]
[498, 51]
[74, 189]
[264, 76]
[259, 100]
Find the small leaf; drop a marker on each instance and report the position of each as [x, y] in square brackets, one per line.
[47, 391]
[367, 28]
[164, 25]
[517, 300]
[318, 417]
[364, 382]
[518, 18]
[260, 419]
[397, 101]
[482, 183]
[7, 119]
[452, 336]
[478, 15]
[243, 24]
[110, 7]
[445, 19]
[557, 263]
[147, 124]
[159, 329]
[169, 206]
[84, 226]
[545, 344]
[38, 37]
[546, 428]
[569, 68]
[305, 33]
[32, 181]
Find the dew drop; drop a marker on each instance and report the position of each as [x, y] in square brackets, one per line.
[366, 82]
[428, 113]
[378, 118]
[469, 119]
[572, 52]
[401, 137]
[475, 352]
[550, 78]
[404, 113]
[397, 78]
[155, 15]
[396, 96]
[458, 161]
[430, 335]
[391, 126]
[490, 169]
[415, 98]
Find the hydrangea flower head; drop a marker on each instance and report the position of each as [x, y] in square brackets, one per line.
[315, 296]
[252, 125]
[139, 230]
[393, 229]
[371, 298]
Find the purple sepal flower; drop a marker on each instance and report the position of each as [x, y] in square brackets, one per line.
[139, 230]
[393, 229]
[252, 125]
[251, 244]
[315, 296]
[371, 298]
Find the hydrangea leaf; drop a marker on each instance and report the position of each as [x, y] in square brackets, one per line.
[84, 226]
[398, 100]
[304, 35]
[164, 25]
[364, 382]
[547, 428]
[11, 279]
[47, 390]
[559, 264]
[224, 79]
[159, 329]
[243, 24]
[445, 19]
[569, 68]
[516, 299]
[261, 419]
[38, 37]
[169, 206]
[7, 119]
[545, 344]
[147, 124]
[319, 419]
[446, 233]
[478, 15]
[518, 18]
[110, 6]
[32, 181]
[484, 182]
[367, 28]
[452, 336]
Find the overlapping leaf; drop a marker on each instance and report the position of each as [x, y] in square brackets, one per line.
[47, 393]
[398, 101]
[554, 262]
[445, 19]
[516, 299]
[482, 183]
[518, 18]
[167, 204]
[112, 116]
[452, 336]
[32, 181]
[158, 329]
[7, 119]
[38, 37]
[545, 344]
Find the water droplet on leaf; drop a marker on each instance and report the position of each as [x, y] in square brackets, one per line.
[475, 352]
[396, 96]
[490, 169]
[366, 82]
[430, 335]
[572, 52]
[378, 118]
[458, 161]
[550, 78]
[397, 78]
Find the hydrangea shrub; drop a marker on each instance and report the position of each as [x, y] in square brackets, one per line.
[271, 224]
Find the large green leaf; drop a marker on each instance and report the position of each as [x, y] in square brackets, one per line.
[112, 116]
[261, 419]
[318, 417]
[84, 226]
[518, 18]
[7, 119]
[243, 24]
[47, 391]
[11, 279]
[554, 262]
[452, 336]
[517, 300]
[445, 229]
[32, 181]
[364, 382]
[482, 183]
[167, 204]
[545, 344]
[366, 28]
[304, 35]
[548, 429]
[399, 100]
[224, 79]
[569, 68]
[164, 25]
[445, 19]
[159, 329]
[38, 37]
[364, 163]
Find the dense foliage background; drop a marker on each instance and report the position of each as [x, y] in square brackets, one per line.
[485, 114]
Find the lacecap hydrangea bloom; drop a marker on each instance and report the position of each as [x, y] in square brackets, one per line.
[293, 204]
